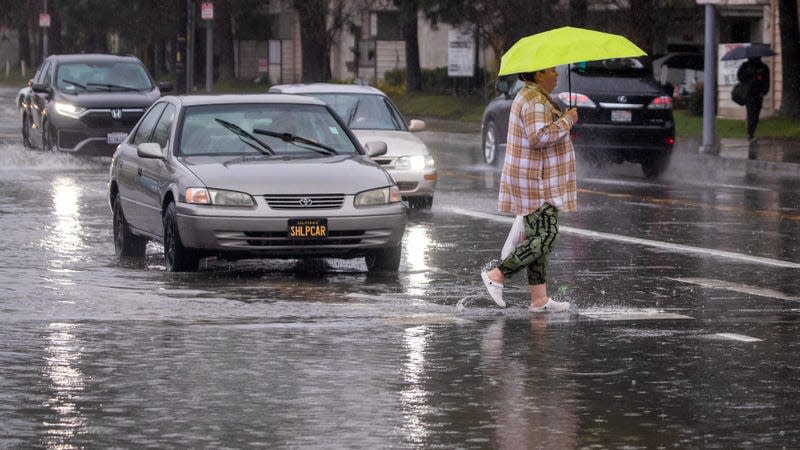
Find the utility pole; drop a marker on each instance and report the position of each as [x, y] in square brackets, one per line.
[207, 14]
[709, 77]
[189, 46]
[44, 23]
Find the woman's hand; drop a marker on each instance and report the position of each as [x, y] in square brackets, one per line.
[572, 113]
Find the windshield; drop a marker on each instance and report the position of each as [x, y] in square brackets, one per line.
[611, 67]
[365, 111]
[229, 130]
[102, 76]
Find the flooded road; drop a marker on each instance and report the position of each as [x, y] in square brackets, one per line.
[683, 334]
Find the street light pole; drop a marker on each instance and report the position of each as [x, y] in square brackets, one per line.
[45, 32]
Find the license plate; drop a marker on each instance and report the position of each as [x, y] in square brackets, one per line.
[116, 138]
[620, 115]
[308, 228]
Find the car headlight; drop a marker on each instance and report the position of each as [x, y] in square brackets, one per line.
[416, 162]
[380, 196]
[69, 110]
[218, 197]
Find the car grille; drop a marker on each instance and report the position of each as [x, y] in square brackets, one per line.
[305, 201]
[407, 185]
[280, 238]
[101, 118]
[385, 162]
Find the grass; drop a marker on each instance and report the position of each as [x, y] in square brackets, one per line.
[688, 125]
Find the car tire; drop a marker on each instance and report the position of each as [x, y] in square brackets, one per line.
[655, 165]
[420, 202]
[384, 259]
[177, 258]
[491, 151]
[126, 244]
[49, 138]
[26, 131]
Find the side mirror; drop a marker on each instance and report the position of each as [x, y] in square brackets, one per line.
[165, 86]
[375, 148]
[41, 88]
[149, 150]
[416, 125]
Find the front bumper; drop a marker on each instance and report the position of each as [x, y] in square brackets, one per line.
[257, 232]
[415, 183]
[95, 131]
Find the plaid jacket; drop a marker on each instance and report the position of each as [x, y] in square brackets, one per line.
[540, 161]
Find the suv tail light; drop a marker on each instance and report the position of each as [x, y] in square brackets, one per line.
[663, 102]
[575, 99]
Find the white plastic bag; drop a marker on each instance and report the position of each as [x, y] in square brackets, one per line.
[515, 236]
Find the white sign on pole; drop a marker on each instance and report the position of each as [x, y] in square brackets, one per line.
[207, 11]
[44, 20]
[460, 54]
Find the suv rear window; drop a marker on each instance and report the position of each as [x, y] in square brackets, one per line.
[621, 67]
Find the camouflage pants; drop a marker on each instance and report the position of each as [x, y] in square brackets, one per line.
[541, 231]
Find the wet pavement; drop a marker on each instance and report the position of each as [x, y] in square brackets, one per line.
[683, 332]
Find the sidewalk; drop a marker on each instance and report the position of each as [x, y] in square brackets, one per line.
[770, 156]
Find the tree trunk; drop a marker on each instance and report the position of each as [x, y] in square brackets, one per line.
[410, 36]
[223, 38]
[313, 41]
[790, 54]
[24, 45]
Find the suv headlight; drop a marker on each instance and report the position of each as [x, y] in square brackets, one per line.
[69, 110]
[416, 162]
[382, 196]
[218, 197]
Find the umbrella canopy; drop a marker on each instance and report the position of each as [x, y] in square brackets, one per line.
[565, 45]
[694, 61]
[749, 51]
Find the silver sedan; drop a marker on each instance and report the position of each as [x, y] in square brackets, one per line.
[243, 176]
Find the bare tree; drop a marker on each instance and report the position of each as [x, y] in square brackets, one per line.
[790, 54]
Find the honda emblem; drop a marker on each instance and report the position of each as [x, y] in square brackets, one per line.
[116, 114]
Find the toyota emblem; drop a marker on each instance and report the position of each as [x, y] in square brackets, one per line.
[116, 113]
[622, 99]
[305, 202]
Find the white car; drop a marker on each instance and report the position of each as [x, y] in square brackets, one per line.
[372, 116]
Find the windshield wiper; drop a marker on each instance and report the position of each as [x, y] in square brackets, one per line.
[235, 129]
[113, 86]
[74, 83]
[353, 111]
[294, 139]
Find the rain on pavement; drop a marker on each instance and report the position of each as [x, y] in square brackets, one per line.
[683, 331]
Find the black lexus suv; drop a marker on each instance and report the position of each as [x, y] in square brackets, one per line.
[624, 114]
[86, 103]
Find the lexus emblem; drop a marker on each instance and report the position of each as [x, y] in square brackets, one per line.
[305, 202]
[116, 114]
[622, 99]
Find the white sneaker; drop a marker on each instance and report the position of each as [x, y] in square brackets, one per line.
[495, 290]
[551, 306]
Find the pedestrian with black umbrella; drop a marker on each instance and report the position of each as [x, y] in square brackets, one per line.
[754, 75]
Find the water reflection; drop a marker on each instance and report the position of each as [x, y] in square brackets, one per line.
[414, 396]
[66, 234]
[533, 406]
[417, 247]
[67, 383]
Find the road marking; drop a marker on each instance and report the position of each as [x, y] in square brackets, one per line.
[632, 314]
[730, 337]
[737, 287]
[678, 248]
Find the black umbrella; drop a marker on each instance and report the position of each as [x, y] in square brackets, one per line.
[749, 51]
[692, 61]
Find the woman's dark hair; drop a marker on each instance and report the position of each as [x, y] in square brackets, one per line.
[528, 76]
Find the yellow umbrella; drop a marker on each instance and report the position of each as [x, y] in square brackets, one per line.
[565, 45]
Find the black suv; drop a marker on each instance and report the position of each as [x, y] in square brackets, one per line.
[624, 114]
[86, 103]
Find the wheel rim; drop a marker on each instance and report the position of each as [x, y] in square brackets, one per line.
[489, 145]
